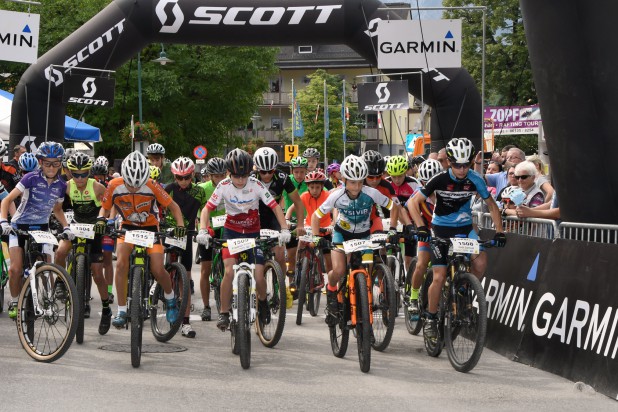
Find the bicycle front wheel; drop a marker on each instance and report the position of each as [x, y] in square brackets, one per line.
[137, 317]
[466, 323]
[243, 327]
[217, 276]
[47, 336]
[270, 333]
[161, 328]
[363, 325]
[302, 289]
[384, 309]
[315, 293]
[80, 285]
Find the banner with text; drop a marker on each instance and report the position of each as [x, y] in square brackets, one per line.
[19, 36]
[378, 97]
[506, 120]
[94, 91]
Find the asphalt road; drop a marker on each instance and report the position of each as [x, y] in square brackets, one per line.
[300, 373]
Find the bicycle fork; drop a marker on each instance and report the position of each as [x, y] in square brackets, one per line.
[30, 274]
[247, 270]
[352, 291]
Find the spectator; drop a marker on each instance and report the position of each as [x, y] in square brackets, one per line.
[544, 211]
[500, 180]
[525, 173]
[17, 152]
[542, 180]
[493, 167]
[504, 152]
[443, 160]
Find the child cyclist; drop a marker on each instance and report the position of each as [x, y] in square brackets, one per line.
[376, 165]
[242, 195]
[33, 213]
[135, 197]
[354, 202]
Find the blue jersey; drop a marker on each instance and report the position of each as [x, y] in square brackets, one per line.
[38, 198]
[454, 197]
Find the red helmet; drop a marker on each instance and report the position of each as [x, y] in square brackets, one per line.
[182, 166]
[317, 176]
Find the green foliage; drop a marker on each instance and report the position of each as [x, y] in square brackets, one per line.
[526, 142]
[508, 74]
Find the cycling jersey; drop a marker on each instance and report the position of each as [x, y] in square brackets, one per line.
[241, 204]
[139, 208]
[38, 198]
[209, 188]
[279, 186]
[407, 188]
[84, 203]
[190, 200]
[301, 187]
[354, 214]
[454, 196]
[312, 204]
[386, 188]
[8, 175]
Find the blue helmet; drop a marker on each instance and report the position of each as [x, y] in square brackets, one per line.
[28, 162]
[50, 150]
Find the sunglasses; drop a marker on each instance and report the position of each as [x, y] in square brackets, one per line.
[374, 177]
[522, 177]
[181, 178]
[460, 165]
[80, 175]
[240, 176]
[51, 164]
[267, 172]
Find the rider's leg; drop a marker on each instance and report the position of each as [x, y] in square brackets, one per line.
[62, 252]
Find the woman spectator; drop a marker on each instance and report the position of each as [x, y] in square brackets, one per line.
[541, 180]
[525, 173]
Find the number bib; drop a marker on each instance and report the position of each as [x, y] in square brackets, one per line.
[269, 233]
[83, 230]
[356, 245]
[465, 245]
[69, 215]
[43, 237]
[142, 238]
[218, 221]
[179, 243]
[238, 245]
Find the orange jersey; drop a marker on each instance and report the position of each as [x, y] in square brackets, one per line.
[139, 208]
[312, 204]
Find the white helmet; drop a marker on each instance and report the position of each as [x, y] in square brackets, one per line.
[155, 148]
[507, 192]
[460, 150]
[428, 169]
[102, 160]
[265, 158]
[354, 168]
[135, 169]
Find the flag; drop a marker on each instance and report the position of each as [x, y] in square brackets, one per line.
[271, 105]
[326, 119]
[379, 120]
[132, 129]
[297, 120]
[317, 113]
[343, 113]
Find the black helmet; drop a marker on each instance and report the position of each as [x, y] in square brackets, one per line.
[215, 166]
[375, 162]
[239, 162]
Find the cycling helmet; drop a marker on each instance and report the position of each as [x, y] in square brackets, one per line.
[3, 148]
[28, 162]
[460, 150]
[155, 148]
[98, 169]
[507, 192]
[216, 166]
[375, 162]
[397, 165]
[102, 160]
[311, 152]
[135, 169]
[79, 161]
[428, 169]
[299, 162]
[332, 168]
[204, 171]
[239, 162]
[183, 166]
[155, 172]
[265, 158]
[354, 168]
[317, 176]
[50, 150]
[417, 160]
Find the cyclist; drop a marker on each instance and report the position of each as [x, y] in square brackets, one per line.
[452, 216]
[32, 213]
[241, 194]
[313, 158]
[85, 196]
[278, 184]
[354, 202]
[216, 168]
[135, 197]
[99, 173]
[156, 157]
[375, 166]
[427, 170]
[27, 163]
[102, 178]
[334, 175]
[191, 198]
[155, 173]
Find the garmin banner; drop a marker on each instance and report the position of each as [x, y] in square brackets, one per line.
[379, 97]
[19, 36]
[89, 90]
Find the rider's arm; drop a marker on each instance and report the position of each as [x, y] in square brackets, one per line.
[177, 213]
[495, 213]
[288, 214]
[99, 190]
[59, 213]
[205, 218]
[280, 217]
[395, 215]
[315, 223]
[403, 216]
[7, 201]
[414, 206]
[300, 211]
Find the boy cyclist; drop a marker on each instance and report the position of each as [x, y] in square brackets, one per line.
[299, 172]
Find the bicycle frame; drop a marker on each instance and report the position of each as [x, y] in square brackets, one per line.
[348, 288]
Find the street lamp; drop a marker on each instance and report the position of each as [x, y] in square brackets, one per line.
[163, 60]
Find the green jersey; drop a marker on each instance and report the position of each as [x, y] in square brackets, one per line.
[300, 187]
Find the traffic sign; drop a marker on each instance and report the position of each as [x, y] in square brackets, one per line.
[291, 151]
[200, 152]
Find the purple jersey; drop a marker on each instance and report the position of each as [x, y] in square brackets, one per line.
[38, 198]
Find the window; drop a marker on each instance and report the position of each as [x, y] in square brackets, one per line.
[274, 86]
[372, 120]
[305, 49]
[275, 123]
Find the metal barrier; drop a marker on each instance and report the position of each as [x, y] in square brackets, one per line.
[589, 232]
[534, 227]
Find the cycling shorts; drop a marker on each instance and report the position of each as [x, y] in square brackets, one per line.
[156, 248]
[255, 255]
[108, 244]
[440, 251]
[20, 241]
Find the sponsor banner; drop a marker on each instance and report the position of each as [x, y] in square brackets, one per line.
[19, 36]
[404, 44]
[507, 120]
[378, 97]
[89, 90]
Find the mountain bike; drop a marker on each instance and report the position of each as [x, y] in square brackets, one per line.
[309, 273]
[4, 275]
[384, 308]
[47, 305]
[462, 310]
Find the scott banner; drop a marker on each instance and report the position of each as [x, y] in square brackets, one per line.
[89, 90]
[378, 97]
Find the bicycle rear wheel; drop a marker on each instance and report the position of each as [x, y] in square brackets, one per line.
[363, 325]
[391, 263]
[47, 337]
[340, 333]
[316, 277]
[137, 317]
[384, 309]
[217, 277]
[466, 325]
[415, 326]
[80, 285]
[161, 328]
[275, 296]
[243, 328]
[4, 278]
[302, 289]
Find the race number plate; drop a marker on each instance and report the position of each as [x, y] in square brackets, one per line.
[218, 221]
[238, 245]
[179, 243]
[140, 238]
[379, 237]
[269, 233]
[69, 215]
[464, 245]
[43, 237]
[356, 245]
[83, 230]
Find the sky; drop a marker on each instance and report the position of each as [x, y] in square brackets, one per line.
[428, 14]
